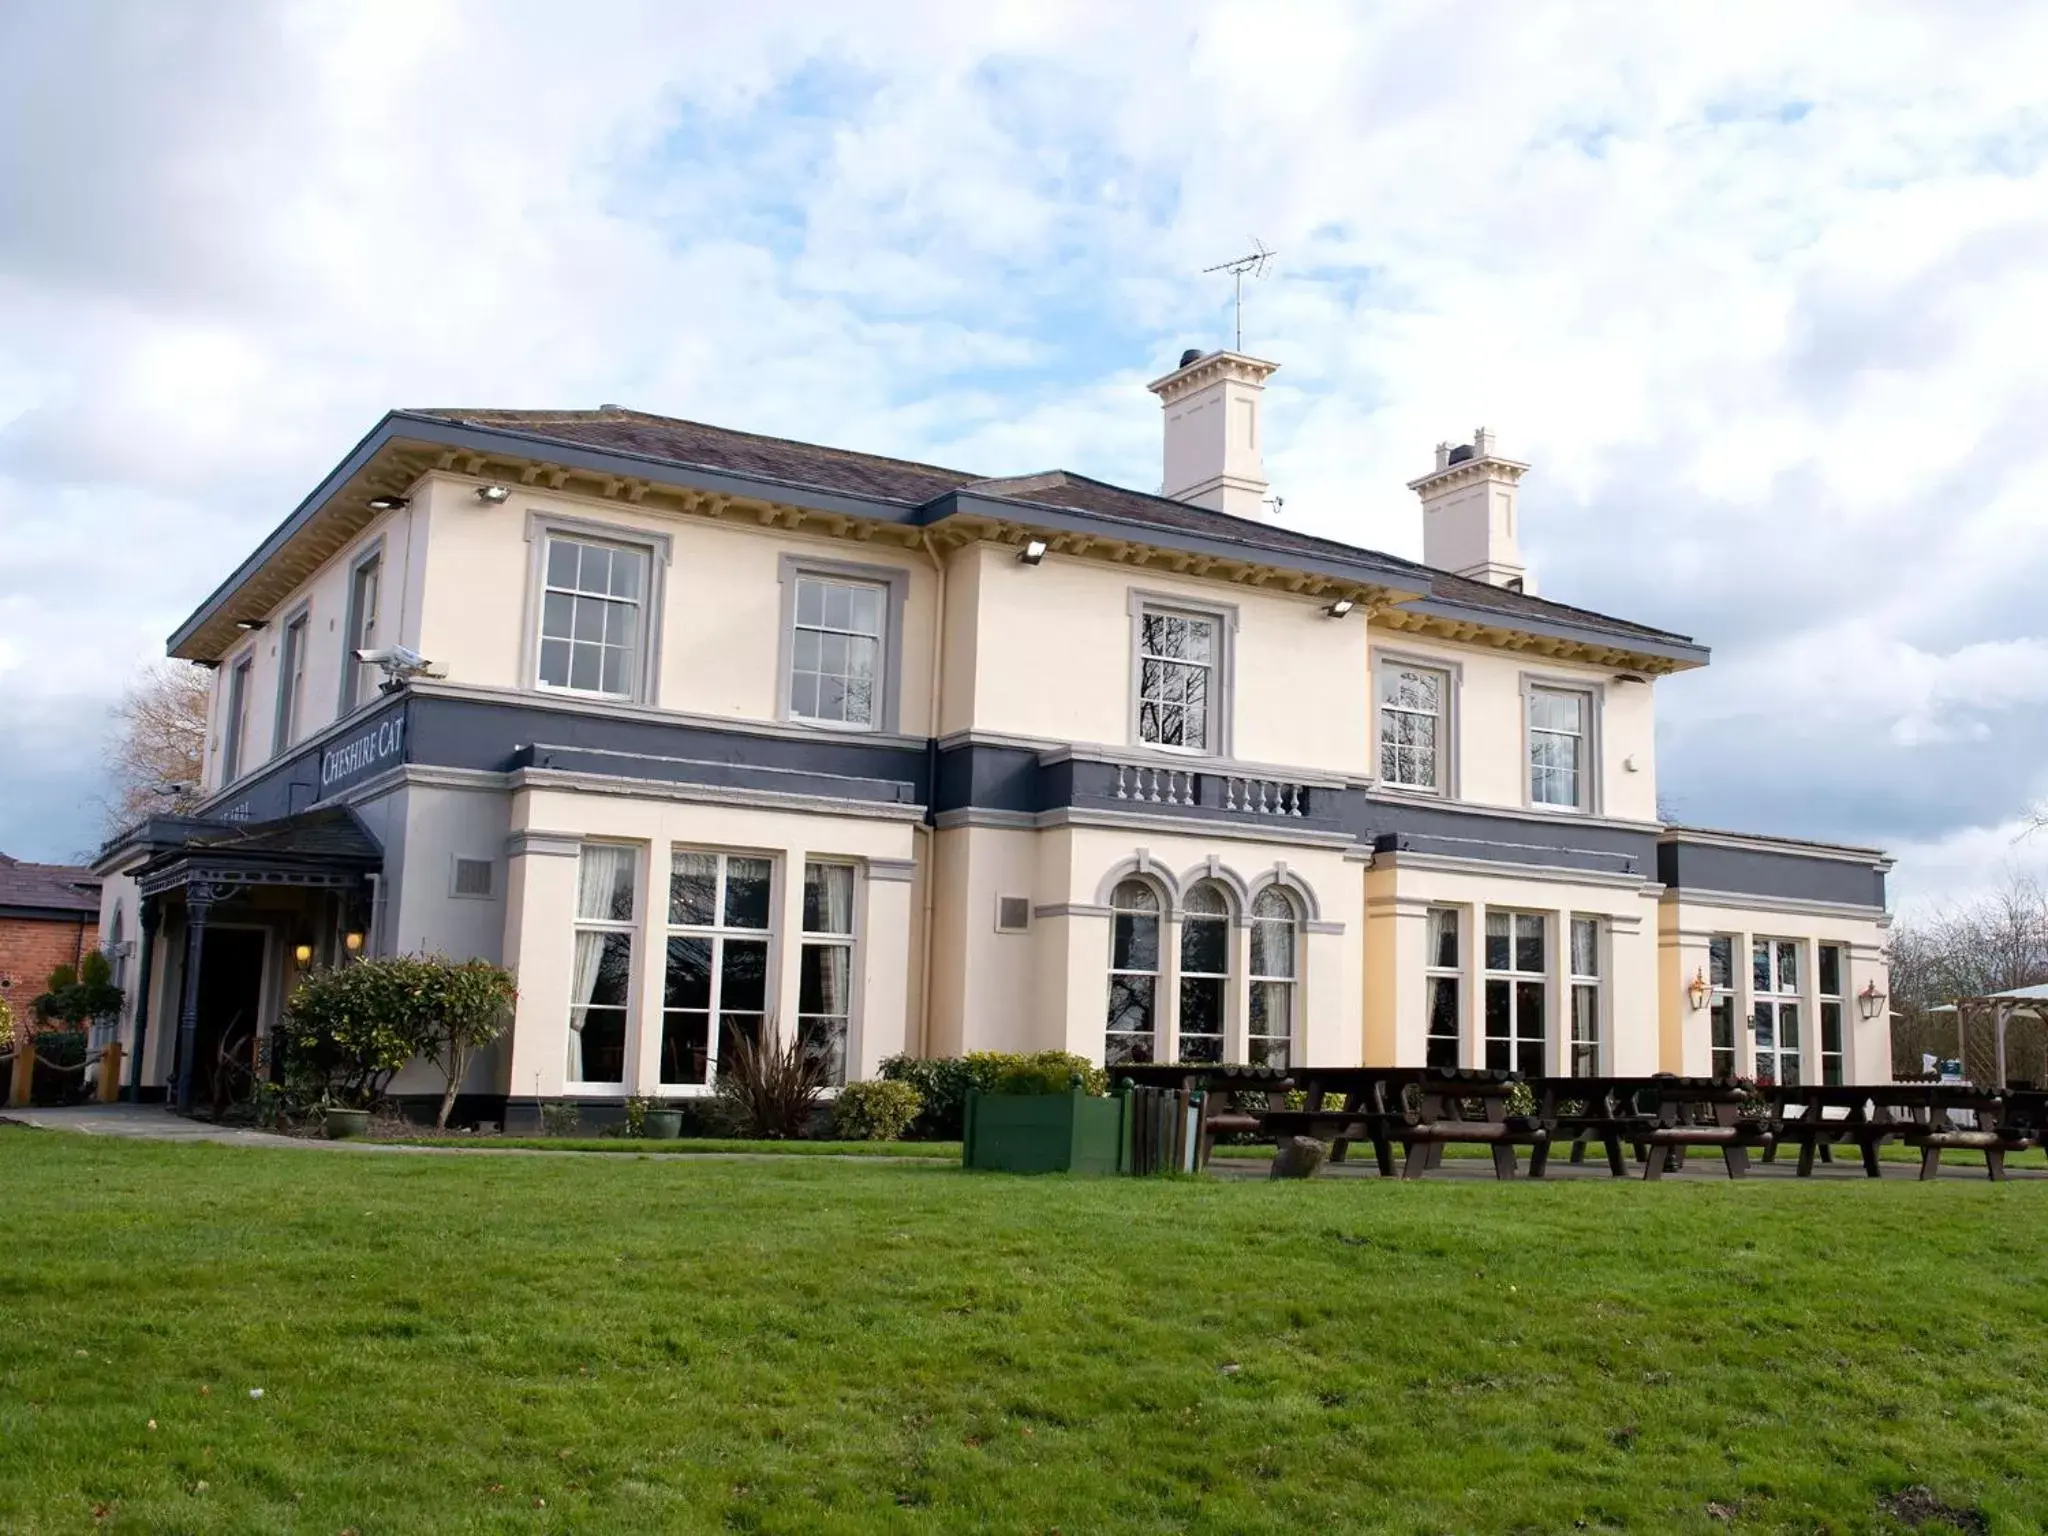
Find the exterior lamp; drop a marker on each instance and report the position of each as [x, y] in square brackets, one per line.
[304, 955]
[387, 503]
[1034, 551]
[496, 495]
[1870, 1000]
[251, 625]
[353, 941]
[1339, 608]
[1696, 990]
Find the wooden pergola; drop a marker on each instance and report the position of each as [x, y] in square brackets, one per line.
[1983, 1025]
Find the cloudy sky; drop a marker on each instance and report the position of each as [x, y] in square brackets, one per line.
[1759, 289]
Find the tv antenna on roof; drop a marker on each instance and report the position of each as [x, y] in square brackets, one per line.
[1255, 266]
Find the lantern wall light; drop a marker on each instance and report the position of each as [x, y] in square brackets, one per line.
[1870, 1001]
[1696, 990]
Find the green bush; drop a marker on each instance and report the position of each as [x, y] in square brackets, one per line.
[350, 1029]
[875, 1111]
[943, 1083]
[769, 1091]
[560, 1119]
[81, 996]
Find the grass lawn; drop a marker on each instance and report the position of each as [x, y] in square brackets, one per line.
[949, 1150]
[683, 1344]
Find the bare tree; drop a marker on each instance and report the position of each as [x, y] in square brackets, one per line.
[1993, 944]
[159, 742]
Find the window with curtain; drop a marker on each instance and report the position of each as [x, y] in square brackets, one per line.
[720, 923]
[1516, 970]
[1443, 976]
[824, 1008]
[1558, 720]
[590, 620]
[1130, 1033]
[1276, 931]
[1412, 734]
[1204, 972]
[1721, 989]
[1585, 962]
[291, 682]
[359, 681]
[1829, 969]
[600, 1001]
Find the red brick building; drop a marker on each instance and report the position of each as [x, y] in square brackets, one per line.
[49, 916]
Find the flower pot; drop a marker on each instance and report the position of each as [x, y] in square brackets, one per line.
[1043, 1133]
[662, 1124]
[342, 1124]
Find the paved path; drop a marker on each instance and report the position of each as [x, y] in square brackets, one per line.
[148, 1122]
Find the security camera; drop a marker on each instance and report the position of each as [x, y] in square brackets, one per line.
[398, 663]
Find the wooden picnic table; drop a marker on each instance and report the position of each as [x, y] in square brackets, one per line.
[1422, 1108]
[1660, 1116]
[1921, 1115]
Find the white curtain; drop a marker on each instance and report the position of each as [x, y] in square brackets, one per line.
[834, 884]
[604, 885]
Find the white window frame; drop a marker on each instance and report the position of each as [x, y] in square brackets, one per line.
[1592, 695]
[631, 928]
[292, 641]
[1158, 912]
[849, 941]
[1217, 738]
[1776, 998]
[1226, 920]
[894, 583]
[1514, 978]
[1836, 1000]
[1385, 666]
[655, 548]
[1434, 973]
[359, 630]
[718, 933]
[1585, 985]
[1725, 994]
[1296, 923]
[234, 729]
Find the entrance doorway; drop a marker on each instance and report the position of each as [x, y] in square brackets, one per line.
[230, 1006]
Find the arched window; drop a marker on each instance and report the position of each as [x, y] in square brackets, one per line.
[1131, 1033]
[1275, 926]
[1204, 972]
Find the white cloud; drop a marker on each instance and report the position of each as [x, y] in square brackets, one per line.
[1750, 284]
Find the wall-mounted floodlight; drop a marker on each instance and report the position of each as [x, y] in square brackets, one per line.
[496, 495]
[251, 624]
[1033, 552]
[387, 503]
[1342, 606]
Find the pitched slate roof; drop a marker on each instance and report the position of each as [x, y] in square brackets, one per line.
[913, 484]
[47, 888]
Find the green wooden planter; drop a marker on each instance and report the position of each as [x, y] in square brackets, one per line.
[346, 1124]
[1043, 1133]
[662, 1124]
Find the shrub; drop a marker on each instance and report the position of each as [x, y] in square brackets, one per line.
[81, 996]
[770, 1092]
[943, 1082]
[875, 1111]
[353, 1027]
[559, 1119]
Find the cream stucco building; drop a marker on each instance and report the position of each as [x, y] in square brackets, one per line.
[707, 733]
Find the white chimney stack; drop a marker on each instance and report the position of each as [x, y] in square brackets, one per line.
[1213, 431]
[1468, 514]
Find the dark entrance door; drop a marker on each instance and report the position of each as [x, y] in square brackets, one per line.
[230, 996]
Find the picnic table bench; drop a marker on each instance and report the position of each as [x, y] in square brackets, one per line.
[1925, 1116]
[1422, 1108]
[1226, 1091]
[1660, 1116]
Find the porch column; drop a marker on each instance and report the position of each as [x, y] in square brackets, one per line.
[199, 900]
[152, 917]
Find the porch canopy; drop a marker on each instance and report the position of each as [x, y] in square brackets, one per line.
[205, 866]
[1983, 1026]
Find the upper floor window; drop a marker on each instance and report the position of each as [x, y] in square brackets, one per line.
[235, 725]
[291, 682]
[1180, 684]
[1414, 727]
[835, 657]
[1560, 737]
[591, 625]
[362, 631]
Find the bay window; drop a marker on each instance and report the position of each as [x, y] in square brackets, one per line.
[1829, 978]
[1517, 982]
[1721, 991]
[1774, 981]
[1585, 975]
[824, 1009]
[1443, 976]
[601, 988]
[720, 921]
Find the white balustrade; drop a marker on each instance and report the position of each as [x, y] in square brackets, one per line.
[1155, 786]
[1265, 797]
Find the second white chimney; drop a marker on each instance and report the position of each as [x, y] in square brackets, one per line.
[1468, 514]
[1213, 431]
